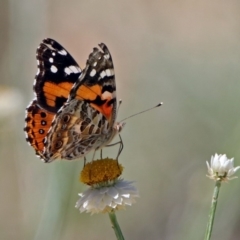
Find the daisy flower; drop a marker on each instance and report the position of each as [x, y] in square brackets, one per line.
[107, 192]
[221, 168]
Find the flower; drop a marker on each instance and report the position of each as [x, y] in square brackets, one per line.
[100, 171]
[221, 168]
[107, 191]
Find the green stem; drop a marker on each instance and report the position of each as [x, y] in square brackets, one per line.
[212, 210]
[115, 225]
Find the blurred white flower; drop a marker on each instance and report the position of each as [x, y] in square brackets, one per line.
[11, 102]
[108, 196]
[221, 168]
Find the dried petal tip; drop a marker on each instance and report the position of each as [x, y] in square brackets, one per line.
[101, 171]
[221, 168]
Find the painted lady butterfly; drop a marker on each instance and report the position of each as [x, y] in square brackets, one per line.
[74, 111]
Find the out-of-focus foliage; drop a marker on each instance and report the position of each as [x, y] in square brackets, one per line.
[184, 53]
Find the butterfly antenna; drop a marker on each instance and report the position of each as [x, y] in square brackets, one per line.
[158, 105]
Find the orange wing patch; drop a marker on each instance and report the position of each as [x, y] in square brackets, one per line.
[38, 122]
[88, 93]
[53, 90]
[98, 100]
[105, 109]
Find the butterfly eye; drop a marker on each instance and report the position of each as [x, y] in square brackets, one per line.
[58, 144]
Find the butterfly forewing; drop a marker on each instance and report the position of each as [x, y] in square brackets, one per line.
[97, 83]
[57, 72]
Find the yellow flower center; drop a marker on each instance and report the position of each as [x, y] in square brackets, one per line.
[99, 171]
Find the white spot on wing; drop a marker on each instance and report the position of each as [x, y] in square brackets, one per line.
[74, 69]
[92, 73]
[53, 53]
[62, 52]
[95, 64]
[107, 56]
[54, 69]
[51, 60]
[103, 74]
[67, 71]
[38, 71]
[109, 72]
[107, 95]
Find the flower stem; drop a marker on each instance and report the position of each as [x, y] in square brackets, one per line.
[212, 210]
[115, 225]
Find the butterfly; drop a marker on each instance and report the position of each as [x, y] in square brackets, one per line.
[75, 110]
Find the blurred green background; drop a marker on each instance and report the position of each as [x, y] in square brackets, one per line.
[184, 53]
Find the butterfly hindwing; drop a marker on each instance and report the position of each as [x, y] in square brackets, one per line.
[37, 123]
[77, 129]
[57, 72]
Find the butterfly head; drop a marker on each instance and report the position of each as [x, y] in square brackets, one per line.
[119, 126]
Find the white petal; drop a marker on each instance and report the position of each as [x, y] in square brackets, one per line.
[113, 192]
[95, 200]
[118, 200]
[236, 168]
[230, 172]
[215, 164]
[103, 189]
[210, 171]
[231, 163]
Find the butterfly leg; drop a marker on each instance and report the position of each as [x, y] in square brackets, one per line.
[90, 172]
[120, 146]
[94, 154]
[85, 160]
[101, 154]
